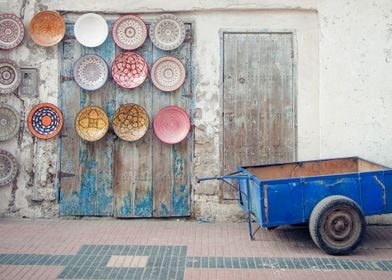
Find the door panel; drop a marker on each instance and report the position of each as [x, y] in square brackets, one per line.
[258, 101]
[171, 167]
[70, 143]
[133, 160]
[90, 191]
[113, 177]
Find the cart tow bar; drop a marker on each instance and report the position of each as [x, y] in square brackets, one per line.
[234, 176]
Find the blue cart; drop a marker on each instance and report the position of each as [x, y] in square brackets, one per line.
[332, 195]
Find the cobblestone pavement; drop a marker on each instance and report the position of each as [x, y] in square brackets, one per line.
[103, 248]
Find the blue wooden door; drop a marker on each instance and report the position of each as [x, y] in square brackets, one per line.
[113, 177]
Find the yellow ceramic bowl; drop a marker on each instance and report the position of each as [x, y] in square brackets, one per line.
[92, 123]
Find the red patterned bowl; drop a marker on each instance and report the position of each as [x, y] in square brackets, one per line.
[171, 124]
[129, 70]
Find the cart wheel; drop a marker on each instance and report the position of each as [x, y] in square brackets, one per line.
[337, 225]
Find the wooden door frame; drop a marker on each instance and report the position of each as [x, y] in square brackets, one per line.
[224, 31]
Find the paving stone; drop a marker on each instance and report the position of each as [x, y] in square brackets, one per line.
[94, 257]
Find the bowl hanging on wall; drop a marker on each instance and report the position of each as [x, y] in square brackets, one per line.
[10, 76]
[168, 73]
[129, 32]
[9, 122]
[12, 31]
[91, 123]
[171, 124]
[167, 32]
[8, 167]
[45, 121]
[130, 122]
[91, 30]
[129, 70]
[90, 72]
[47, 28]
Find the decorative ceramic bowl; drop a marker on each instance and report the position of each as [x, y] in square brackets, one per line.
[45, 121]
[129, 32]
[10, 76]
[130, 122]
[171, 124]
[91, 30]
[8, 167]
[92, 123]
[47, 28]
[129, 70]
[9, 122]
[167, 32]
[168, 73]
[12, 31]
[90, 72]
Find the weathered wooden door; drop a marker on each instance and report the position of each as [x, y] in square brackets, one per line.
[259, 124]
[112, 177]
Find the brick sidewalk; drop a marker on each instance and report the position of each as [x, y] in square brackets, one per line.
[105, 248]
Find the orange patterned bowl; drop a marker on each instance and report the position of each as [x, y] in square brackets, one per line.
[45, 121]
[47, 28]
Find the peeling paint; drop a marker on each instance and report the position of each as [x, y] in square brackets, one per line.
[143, 206]
[383, 190]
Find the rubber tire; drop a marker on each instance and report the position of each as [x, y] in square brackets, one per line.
[318, 217]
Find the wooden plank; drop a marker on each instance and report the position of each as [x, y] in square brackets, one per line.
[281, 98]
[69, 144]
[96, 158]
[133, 160]
[180, 186]
[89, 192]
[162, 161]
[171, 184]
[258, 101]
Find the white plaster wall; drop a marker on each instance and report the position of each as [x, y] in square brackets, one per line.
[344, 55]
[355, 79]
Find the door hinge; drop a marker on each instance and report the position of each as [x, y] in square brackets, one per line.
[61, 174]
[65, 78]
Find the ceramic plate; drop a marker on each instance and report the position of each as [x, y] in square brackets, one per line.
[168, 73]
[90, 72]
[10, 76]
[129, 32]
[92, 123]
[45, 121]
[91, 30]
[129, 70]
[11, 31]
[47, 28]
[167, 32]
[9, 122]
[171, 124]
[130, 122]
[8, 167]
